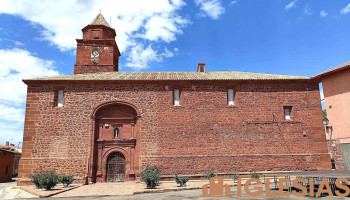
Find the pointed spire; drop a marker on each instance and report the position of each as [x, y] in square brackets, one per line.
[99, 20]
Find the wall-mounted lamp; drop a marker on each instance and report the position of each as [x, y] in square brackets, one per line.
[325, 122]
[106, 125]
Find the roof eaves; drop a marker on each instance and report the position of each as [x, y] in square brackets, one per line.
[333, 70]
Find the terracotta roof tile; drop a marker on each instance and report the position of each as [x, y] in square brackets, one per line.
[333, 70]
[154, 76]
[99, 20]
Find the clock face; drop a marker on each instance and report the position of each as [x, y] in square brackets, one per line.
[94, 53]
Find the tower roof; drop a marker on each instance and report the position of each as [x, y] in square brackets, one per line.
[99, 20]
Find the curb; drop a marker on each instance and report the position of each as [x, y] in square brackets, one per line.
[165, 190]
[52, 194]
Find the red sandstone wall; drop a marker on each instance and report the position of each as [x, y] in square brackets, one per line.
[202, 134]
[335, 151]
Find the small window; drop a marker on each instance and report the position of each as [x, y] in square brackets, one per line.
[60, 98]
[287, 112]
[176, 97]
[230, 97]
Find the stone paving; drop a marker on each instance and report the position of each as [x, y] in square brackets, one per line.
[190, 195]
[9, 190]
[41, 192]
[127, 188]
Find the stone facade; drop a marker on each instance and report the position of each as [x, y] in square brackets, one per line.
[335, 151]
[138, 120]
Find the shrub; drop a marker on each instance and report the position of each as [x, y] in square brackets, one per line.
[151, 176]
[181, 180]
[36, 177]
[235, 177]
[255, 175]
[66, 180]
[49, 179]
[209, 174]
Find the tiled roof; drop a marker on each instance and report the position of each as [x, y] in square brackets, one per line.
[335, 69]
[9, 149]
[155, 76]
[99, 20]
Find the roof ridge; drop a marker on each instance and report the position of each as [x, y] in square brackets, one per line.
[149, 76]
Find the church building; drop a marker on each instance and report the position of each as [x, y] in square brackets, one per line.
[103, 125]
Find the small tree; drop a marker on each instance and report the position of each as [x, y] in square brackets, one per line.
[66, 180]
[181, 180]
[151, 176]
[209, 174]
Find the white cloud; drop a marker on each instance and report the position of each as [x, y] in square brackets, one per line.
[233, 2]
[290, 5]
[140, 56]
[162, 28]
[133, 20]
[345, 10]
[210, 8]
[12, 132]
[16, 64]
[323, 13]
[18, 43]
[13, 114]
[307, 10]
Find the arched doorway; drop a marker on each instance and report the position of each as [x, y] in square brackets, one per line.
[115, 171]
[116, 129]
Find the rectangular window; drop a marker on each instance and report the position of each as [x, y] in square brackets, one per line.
[60, 98]
[287, 112]
[176, 97]
[230, 97]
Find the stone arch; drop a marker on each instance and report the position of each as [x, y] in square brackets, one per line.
[106, 103]
[115, 150]
[105, 117]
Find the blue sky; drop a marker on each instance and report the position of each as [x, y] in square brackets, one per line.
[295, 37]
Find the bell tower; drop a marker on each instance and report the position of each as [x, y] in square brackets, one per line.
[98, 50]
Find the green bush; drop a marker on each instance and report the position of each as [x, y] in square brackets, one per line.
[36, 177]
[209, 174]
[181, 180]
[66, 180]
[48, 180]
[151, 176]
[235, 177]
[255, 175]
